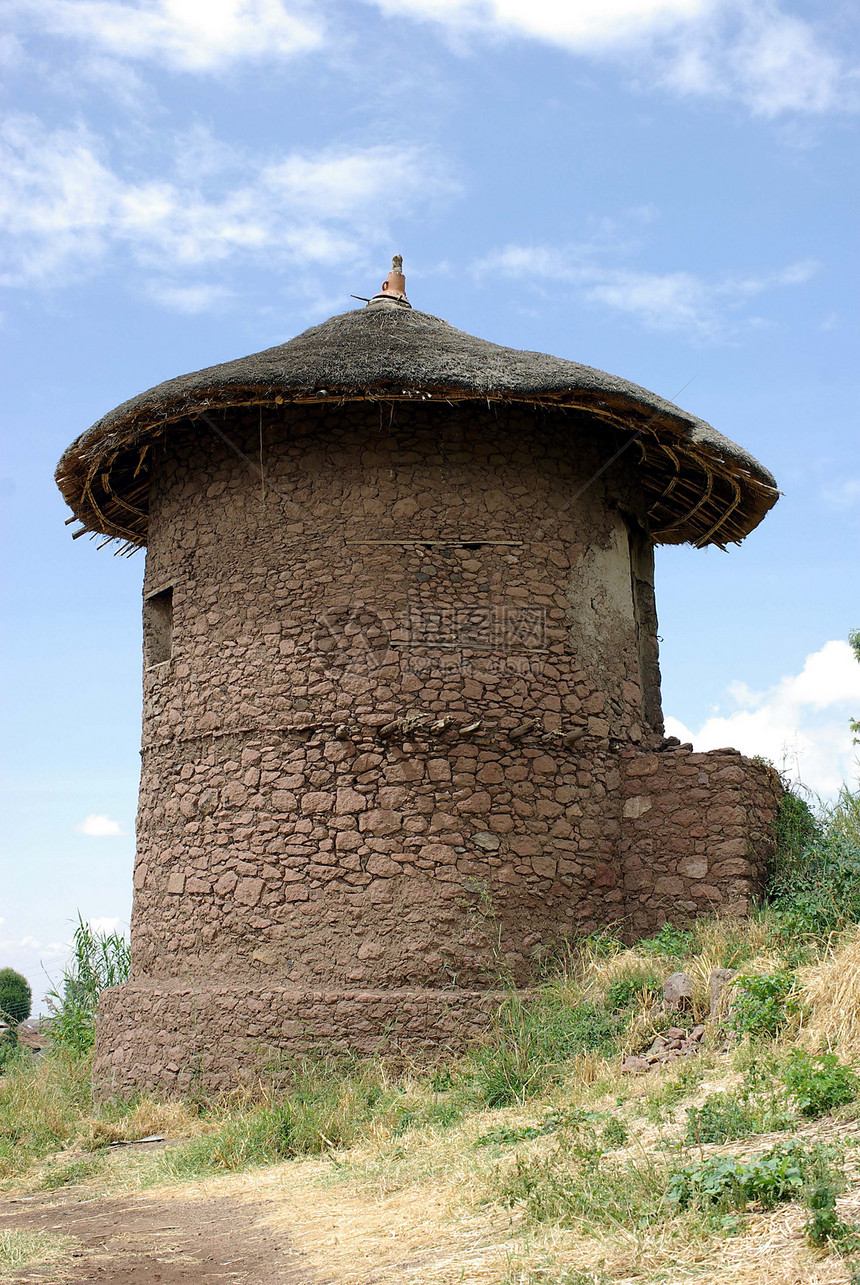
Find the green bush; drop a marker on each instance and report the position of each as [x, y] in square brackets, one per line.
[814, 884]
[760, 1005]
[671, 942]
[781, 1174]
[15, 997]
[818, 1084]
[712, 1182]
[99, 960]
[722, 1117]
[635, 987]
[824, 1226]
[796, 829]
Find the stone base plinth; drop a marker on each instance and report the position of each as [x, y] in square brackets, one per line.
[180, 1036]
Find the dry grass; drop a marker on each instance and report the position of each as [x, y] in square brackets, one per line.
[26, 1248]
[172, 1118]
[830, 991]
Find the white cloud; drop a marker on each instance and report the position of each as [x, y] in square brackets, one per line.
[677, 300]
[574, 24]
[800, 724]
[189, 299]
[105, 925]
[99, 827]
[746, 49]
[66, 209]
[843, 494]
[187, 35]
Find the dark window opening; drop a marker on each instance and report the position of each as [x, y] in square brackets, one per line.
[158, 628]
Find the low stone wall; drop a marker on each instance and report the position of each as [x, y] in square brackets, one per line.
[695, 835]
[213, 1035]
[698, 831]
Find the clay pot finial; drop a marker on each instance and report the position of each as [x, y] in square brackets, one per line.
[395, 282]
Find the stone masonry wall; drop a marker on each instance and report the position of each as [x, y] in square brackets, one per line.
[698, 832]
[406, 739]
[437, 571]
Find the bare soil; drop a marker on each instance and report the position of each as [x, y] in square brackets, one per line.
[148, 1241]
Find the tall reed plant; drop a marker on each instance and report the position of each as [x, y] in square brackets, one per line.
[98, 960]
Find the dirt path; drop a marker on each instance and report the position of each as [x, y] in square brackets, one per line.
[143, 1241]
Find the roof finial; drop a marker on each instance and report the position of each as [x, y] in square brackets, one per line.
[393, 287]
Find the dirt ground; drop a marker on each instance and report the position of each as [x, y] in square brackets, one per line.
[147, 1241]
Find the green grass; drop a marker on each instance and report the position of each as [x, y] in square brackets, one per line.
[43, 1103]
[530, 1042]
[577, 1185]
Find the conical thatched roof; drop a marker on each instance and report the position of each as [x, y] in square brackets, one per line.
[701, 487]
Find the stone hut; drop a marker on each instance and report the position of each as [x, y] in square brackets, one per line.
[402, 731]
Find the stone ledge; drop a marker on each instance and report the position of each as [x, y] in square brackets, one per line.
[178, 1035]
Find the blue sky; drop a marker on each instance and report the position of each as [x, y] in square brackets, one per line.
[666, 189]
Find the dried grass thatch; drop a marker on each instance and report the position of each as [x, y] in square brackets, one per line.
[701, 487]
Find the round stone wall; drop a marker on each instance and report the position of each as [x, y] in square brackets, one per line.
[427, 567]
[387, 686]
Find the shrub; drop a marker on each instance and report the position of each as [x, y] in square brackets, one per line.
[818, 1084]
[814, 884]
[635, 987]
[723, 1117]
[15, 997]
[781, 1174]
[99, 960]
[713, 1182]
[761, 1004]
[796, 829]
[672, 942]
[824, 1226]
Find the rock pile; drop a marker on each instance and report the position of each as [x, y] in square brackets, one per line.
[672, 1044]
[679, 1041]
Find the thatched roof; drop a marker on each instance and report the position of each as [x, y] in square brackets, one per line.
[700, 486]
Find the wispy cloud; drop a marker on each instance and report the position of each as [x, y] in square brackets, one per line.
[186, 35]
[189, 299]
[673, 301]
[800, 724]
[66, 209]
[99, 827]
[750, 50]
[843, 494]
